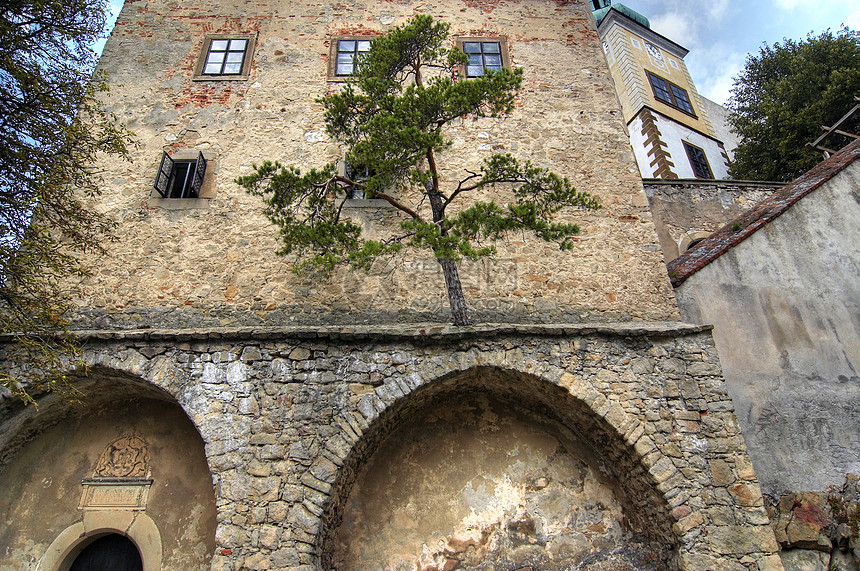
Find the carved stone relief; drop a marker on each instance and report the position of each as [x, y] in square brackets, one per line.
[121, 479]
[125, 457]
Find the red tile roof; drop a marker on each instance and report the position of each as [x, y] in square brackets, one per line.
[739, 229]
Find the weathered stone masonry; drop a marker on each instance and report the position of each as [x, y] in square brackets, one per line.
[624, 450]
[288, 414]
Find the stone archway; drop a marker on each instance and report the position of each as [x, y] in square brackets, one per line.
[139, 528]
[494, 467]
[127, 460]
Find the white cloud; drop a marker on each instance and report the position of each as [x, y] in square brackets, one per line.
[713, 69]
[719, 33]
[717, 87]
[717, 9]
[676, 26]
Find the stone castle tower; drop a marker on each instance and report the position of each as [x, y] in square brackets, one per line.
[240, 417]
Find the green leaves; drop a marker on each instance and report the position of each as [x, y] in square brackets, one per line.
[784, 95]
[52, 129]
[307, 212]
[392, 118]
[393, 113]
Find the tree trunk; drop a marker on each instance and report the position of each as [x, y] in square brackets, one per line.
[455, 291]
[449, 267]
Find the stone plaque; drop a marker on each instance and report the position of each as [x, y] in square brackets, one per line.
[125, 494]
[121, 478]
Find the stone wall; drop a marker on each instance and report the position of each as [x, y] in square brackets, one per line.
[70, 475]
[818, 531]
[292, 418]
[304, 391]
[212, 262]
[688, 210]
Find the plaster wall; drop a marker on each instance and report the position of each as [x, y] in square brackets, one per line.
[674, 134]
[211, 262]
[41, 491]
[481, 482]
[719, 117]
[629, 61]
[784, 304]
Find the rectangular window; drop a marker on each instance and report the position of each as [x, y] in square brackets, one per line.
[181, 178]
[670, 94]
[485, 55]
[681, 99]
[225, 57]
[345, 51]
[359, 174]
[698, 161]
[661, 89]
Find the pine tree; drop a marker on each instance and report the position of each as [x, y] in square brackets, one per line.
[392, 117]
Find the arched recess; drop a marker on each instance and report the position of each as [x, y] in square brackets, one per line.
[52, 484]
[139, 528]
[690, 239]
[578, 474]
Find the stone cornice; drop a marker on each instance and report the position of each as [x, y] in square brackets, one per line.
[410, 332]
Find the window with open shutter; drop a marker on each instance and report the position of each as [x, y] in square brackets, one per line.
[197, 178]
[180, 178]
[162, 179]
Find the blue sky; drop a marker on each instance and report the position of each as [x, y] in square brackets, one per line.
[720, 33]
[115, 6]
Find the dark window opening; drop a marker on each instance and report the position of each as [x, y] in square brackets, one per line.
[348, 52]
[698, 161]
[670, 94]
[180, 178]
[359, 174]
[483, 57]
[109, 553]
[695, 243]
[681, 99]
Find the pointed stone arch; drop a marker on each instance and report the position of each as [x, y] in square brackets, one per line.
[126, 460]
[603, 427]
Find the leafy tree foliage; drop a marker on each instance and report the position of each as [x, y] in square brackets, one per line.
[52, 128]
[782, 98]
[392, 117]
